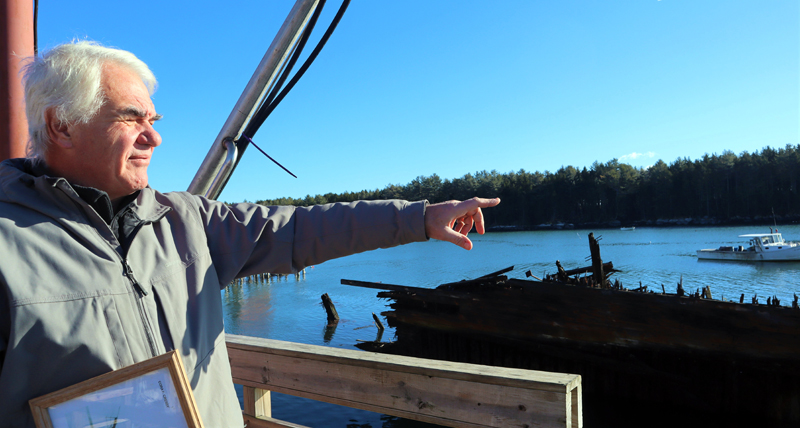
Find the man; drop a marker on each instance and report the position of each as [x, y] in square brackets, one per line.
[100, 271]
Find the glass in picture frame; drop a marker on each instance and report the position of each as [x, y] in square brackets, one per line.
[152, 393]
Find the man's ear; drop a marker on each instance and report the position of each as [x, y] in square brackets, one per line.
[57, 130]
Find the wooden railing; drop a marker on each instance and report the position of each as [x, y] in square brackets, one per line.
[439, 392]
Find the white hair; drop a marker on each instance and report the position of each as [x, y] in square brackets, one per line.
[68, 80]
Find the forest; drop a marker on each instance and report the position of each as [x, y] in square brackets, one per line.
[758, 187]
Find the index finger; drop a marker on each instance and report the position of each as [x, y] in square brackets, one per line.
[473, 207]
[474, 203]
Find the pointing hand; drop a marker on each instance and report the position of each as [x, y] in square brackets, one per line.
[451, 221]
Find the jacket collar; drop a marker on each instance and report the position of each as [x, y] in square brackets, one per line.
[23, 181]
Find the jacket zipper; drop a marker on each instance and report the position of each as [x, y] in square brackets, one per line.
[128, 272]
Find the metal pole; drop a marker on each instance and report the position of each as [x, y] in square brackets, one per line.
[258, 86]
[16, 43]
[215, 188]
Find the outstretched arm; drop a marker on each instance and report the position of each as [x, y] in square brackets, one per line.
[451, 221]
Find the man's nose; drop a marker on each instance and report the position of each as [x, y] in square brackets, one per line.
[149, 137]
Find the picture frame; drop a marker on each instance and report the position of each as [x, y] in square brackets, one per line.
[152, 393]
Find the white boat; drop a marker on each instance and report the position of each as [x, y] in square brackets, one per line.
[763, 247]
[627, 228]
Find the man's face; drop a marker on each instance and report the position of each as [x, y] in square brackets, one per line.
[113, 150]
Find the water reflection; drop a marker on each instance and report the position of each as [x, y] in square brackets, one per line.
[328, 332]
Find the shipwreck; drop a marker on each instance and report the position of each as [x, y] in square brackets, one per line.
[638, 351]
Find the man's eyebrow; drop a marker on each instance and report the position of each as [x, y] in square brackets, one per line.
[136, 111]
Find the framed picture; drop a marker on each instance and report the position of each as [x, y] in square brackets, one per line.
[152, 393]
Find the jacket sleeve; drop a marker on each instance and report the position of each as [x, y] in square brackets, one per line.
[248, 238]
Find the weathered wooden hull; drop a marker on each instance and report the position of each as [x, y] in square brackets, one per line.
[632, 347]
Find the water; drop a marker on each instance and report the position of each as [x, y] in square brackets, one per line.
[290, 309]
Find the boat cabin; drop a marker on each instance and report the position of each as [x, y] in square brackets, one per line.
[764, 240]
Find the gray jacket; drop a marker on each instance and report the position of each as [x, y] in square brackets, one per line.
[71, 307]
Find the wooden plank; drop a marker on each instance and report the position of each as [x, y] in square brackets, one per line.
[380, 285]
[445, 393]
[607, 267]
[500, 272]
[526, 379]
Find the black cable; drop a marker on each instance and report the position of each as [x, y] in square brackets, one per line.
[267, 109]
[259, 118]
[265, 154]
[298, 50]
[272, 100]
[245, 140]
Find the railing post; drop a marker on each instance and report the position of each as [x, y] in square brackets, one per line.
[257, 402]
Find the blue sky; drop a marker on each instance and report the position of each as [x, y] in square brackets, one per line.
[409, 88]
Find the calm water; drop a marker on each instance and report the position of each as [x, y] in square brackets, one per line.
[290, 309]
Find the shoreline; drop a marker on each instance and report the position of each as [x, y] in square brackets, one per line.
[676, 222]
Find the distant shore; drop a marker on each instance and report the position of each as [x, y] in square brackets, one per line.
[675, 222]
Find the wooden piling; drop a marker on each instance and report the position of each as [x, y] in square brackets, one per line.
[562, 274]
[597, 262]
[330, 309]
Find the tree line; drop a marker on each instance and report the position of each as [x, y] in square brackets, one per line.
[724, 188]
